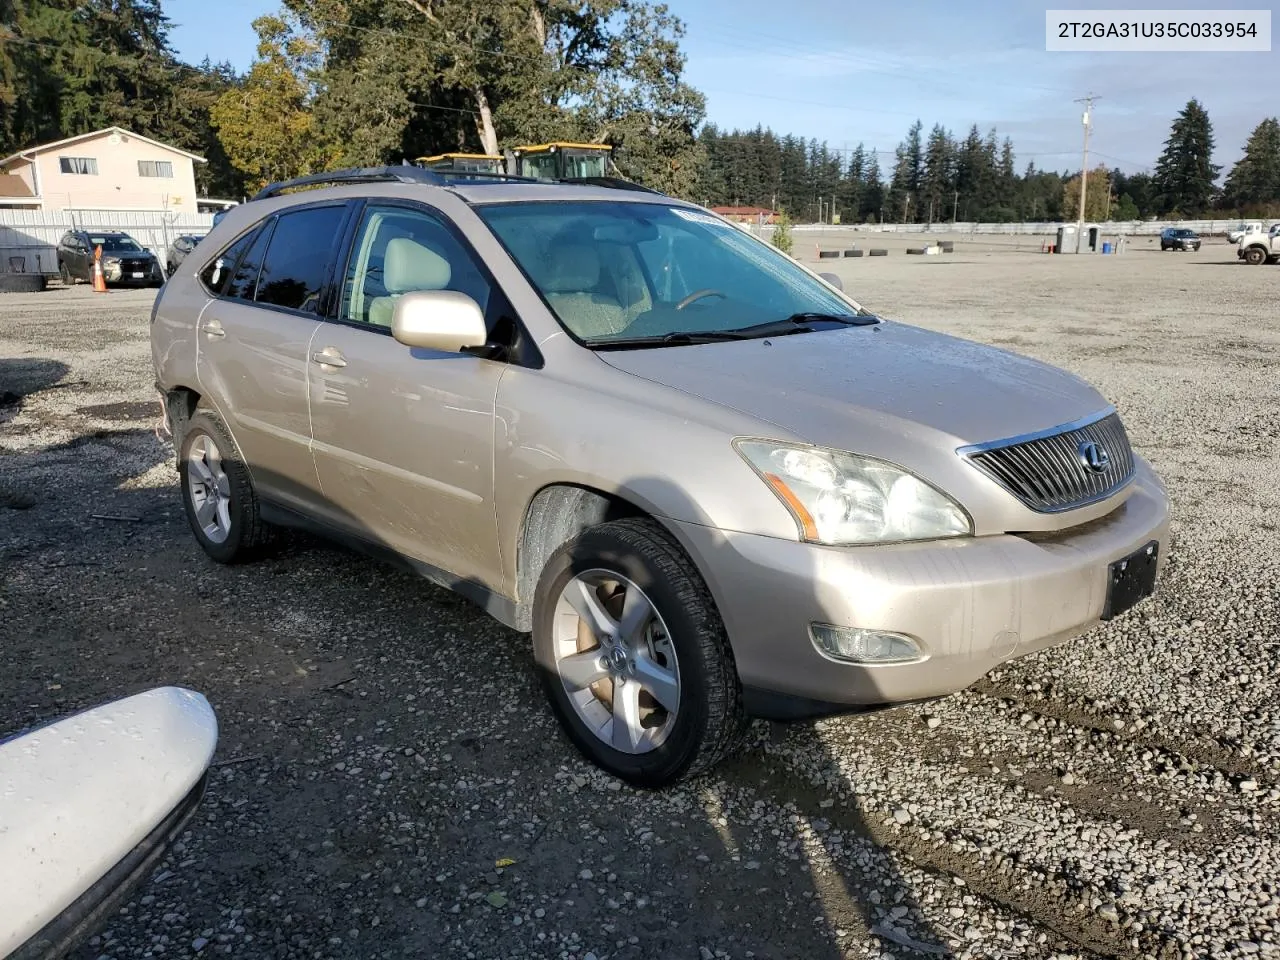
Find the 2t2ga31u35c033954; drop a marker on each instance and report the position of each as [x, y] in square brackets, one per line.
[1148, 31]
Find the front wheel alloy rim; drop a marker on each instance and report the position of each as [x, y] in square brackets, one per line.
[615, 658]
[209, 489]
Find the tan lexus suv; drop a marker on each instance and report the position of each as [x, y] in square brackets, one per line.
[710, 484]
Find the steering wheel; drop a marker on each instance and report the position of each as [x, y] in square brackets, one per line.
[698, 295]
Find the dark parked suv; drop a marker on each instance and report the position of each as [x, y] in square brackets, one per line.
[124, 260]
[1179, 238]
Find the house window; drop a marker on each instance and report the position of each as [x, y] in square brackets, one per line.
[155, 168]
[79, 165]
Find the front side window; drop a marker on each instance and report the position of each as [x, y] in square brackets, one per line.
[399, 250]
[540, 166]
[297, 258]
[584, 165]
[618, 270]
[155, 168]
[79, 166]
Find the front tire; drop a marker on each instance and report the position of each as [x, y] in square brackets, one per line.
[1255, 256]
[217, 492]
[634, 657]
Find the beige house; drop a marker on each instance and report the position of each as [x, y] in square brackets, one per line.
[111, 169]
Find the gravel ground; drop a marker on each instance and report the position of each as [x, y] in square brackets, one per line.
[390, 783]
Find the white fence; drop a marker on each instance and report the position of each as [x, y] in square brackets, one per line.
[29, 238]
[1127, 228]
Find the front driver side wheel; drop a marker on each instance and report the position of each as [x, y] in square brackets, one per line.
[217, 492]
[634, 657]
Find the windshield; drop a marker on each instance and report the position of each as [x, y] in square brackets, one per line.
[618, 271]
[114, 244]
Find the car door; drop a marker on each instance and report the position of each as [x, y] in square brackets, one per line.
[253, 344]
[77, 262]
[403, 437]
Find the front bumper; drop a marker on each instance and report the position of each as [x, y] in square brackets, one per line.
[971, 603]
[118, 273]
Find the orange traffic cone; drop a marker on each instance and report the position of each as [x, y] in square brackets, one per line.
[99, 281]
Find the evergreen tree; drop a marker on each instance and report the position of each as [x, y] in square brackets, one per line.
[1254, 182]
[1185, 172]
[873, 191]
[937, 177]
[904, 187]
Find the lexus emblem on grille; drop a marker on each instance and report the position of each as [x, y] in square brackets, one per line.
[1094, 456]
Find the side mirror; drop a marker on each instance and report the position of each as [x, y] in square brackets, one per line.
[832, 279]
[441, 320]
[90, 804]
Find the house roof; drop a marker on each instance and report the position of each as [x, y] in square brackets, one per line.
[43, 147]
[14, 186]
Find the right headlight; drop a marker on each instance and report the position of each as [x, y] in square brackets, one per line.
[840, 498]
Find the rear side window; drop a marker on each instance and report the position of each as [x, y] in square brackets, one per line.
[245, 275]
[293, 270]
[218, 271]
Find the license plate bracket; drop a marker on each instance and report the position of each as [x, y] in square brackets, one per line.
[1131, 579]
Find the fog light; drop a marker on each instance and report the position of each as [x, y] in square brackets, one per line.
[864, 646]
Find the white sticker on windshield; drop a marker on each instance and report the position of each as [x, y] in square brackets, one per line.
[697, 217]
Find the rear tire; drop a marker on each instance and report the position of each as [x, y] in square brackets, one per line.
[64, 272]
[217, 492]
[693, 663]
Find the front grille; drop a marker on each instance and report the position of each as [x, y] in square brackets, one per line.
[1050, 473]
[130, 265]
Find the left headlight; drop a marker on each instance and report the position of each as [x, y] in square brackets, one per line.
[842, 499]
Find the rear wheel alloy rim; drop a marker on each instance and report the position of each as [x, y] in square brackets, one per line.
[209, 489]
[615, 658]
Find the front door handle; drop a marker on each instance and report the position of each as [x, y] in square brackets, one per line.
[213, 330]
[329, 357]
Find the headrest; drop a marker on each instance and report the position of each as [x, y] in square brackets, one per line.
[575, 268]
[409, 265]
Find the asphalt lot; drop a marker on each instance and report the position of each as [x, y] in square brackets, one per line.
[384, 745]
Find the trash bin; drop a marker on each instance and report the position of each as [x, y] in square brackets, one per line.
[1106, 246]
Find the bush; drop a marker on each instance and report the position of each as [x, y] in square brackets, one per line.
[782, 232]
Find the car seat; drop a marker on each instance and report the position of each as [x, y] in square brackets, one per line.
[572, 290]
[407, 266]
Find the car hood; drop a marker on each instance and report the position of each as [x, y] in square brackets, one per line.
[890, 390]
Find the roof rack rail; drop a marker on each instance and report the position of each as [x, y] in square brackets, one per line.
[615, 183]
[482, 175]
[402, 174]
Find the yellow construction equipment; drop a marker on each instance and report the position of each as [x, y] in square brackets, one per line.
[463, 163]
[562, 160]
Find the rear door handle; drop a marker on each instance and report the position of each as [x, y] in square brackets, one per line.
[213, 330]
[329, 357]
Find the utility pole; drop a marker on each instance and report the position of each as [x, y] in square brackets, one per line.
[1084, 163]
[906, 205]
[955, 205]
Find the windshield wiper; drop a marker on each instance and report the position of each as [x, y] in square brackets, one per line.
[677, 338]
[848, 319]
[796, 323]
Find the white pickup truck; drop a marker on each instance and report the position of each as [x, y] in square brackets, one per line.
[1259, 248]
[1242, 230]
